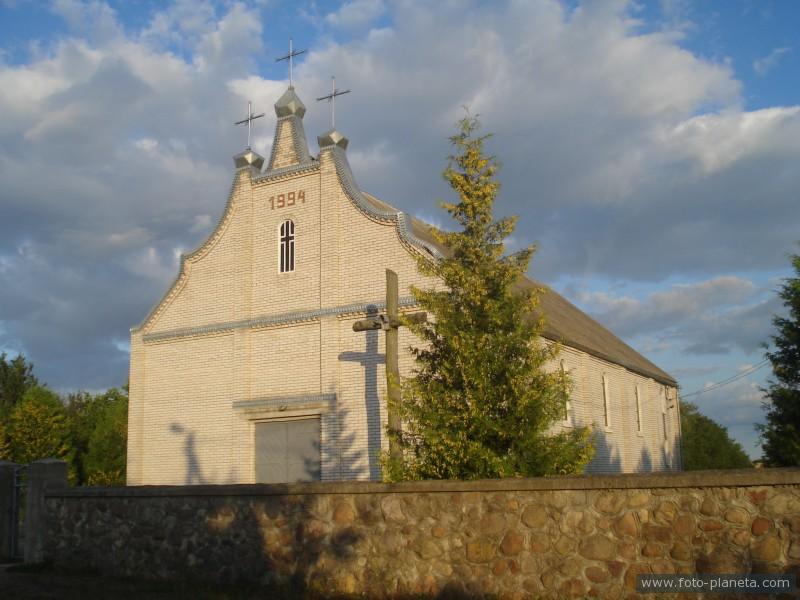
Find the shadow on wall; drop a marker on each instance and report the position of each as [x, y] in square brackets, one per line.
[340, 457]
[370, 359]
[645, 461]
[194, 471]
[606, 458]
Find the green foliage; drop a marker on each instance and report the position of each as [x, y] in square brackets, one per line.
[98, 426]
[38, 428]
[482, 403]
[780, 436]
[5, 446]
[706, 444]
[16, 377]
[106, 458]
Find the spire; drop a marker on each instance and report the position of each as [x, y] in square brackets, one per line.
[289, 146]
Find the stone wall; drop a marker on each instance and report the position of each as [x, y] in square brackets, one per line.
[558, 537]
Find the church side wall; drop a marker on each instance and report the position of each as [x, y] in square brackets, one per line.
[621, 447]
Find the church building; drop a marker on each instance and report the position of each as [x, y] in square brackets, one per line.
[249, 370]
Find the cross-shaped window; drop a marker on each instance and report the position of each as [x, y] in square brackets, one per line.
[287, 246]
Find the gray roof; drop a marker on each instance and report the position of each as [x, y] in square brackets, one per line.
[563, 321]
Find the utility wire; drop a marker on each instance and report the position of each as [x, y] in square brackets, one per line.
[729, 380]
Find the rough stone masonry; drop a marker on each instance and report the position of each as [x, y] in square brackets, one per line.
[518, 538]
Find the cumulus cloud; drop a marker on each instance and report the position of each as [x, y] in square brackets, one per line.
[715, 316]
[356, 13]
[626, 156]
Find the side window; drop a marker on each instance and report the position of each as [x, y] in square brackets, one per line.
[638, 410]
[287, 246]
[565, 381]
[606, 402]
[664, 412]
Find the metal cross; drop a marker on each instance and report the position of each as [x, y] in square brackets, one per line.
[250, 118]
[331, 98]
[288, 57]
[390, 323]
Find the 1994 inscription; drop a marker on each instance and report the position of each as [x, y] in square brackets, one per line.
[290, 199]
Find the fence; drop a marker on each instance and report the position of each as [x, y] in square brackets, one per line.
[570, 536]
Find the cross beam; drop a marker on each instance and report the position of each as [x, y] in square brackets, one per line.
[289, 57]
[250, 118]
[390, 322]
[331, 98]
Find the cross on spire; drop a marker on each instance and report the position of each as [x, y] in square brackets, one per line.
[250, 118]
[331, 98]
[288, 57]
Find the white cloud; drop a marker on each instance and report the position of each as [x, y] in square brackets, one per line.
[626, 156]
[708, 317]
[356, 13]
[764, 65]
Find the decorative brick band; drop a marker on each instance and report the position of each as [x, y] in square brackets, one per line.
[271, 320]
[287, 402]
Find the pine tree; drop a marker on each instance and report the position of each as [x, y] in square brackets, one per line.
[780, 436]
[16, 377]
[482, 403]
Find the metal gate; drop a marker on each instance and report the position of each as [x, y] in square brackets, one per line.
[18, 511]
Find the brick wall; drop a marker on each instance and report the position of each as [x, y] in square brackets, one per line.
[213, 343]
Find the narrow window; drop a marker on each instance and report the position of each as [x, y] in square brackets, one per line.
[664, 412]
[565, 384]
[287, 246]
[638, 410]
[606, 402]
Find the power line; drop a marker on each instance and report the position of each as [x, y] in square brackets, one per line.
[729, 380]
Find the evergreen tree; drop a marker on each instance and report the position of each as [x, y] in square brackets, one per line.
[780, 436]
[38, 428]
[482, 403]
[16, 377]
[706, 445]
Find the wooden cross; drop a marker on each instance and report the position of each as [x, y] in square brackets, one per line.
[331, 98]
[250, 118]
[390, 322]
[289, 57]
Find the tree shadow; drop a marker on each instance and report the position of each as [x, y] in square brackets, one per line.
[606, 458]
[370, 359]
[645, 461]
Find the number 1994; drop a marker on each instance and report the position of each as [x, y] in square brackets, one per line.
[290, 199]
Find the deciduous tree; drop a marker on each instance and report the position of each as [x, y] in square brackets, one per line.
[706, 444]
[38, 428]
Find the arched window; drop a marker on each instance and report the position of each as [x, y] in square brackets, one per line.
[287, 246]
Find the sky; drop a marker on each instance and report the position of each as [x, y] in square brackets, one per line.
[650, 149]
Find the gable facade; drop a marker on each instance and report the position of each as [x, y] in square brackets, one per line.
[248, 368]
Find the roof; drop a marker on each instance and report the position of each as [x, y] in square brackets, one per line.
[563, 321]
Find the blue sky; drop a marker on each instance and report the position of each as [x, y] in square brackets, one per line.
[650, 148]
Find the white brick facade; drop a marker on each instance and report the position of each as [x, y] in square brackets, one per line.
[234, 341]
